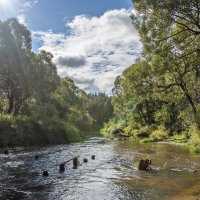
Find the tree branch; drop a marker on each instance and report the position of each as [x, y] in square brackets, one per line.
[188, 28]
[169, 86]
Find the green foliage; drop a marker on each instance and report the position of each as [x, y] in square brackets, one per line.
[194, 138]
[15, 48]
[160, 134]
[158, 96]
[110, 128]
[7, 130]
[100, 108]
[162, 115]
[43, 79]
[38, 107]
[171, 38]
[74, 134]
[143, 132]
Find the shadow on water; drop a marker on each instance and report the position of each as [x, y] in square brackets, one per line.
[112, 175]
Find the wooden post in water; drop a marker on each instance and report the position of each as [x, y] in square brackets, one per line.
[75, 162]
[93, 157]
[85, 160]
[6, 151]
[62, 167]
[144, 165]
[45, 173]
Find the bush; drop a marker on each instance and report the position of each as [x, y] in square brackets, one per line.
[112, 127]
[73, 134]
[36, 130]
[160, 134]
[194, 141]
[7, 130]
[157, 135]
[143, 132]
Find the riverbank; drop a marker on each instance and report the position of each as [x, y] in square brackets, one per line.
[191, 138]
[192, 142]
[29, 131]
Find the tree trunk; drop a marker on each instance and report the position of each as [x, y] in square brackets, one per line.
[149, 117]
[10, 104]
[192, 105]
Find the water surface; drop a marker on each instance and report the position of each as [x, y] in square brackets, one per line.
[113, 175]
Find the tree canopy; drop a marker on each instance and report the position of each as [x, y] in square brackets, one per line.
[160, 91]
[36, 105]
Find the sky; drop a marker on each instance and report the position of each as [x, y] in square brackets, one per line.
[92, 41]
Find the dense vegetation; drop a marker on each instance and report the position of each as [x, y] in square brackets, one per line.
[36, 105]
[157, 98]
[159, 95]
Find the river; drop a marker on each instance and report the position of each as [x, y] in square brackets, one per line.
[113, 175]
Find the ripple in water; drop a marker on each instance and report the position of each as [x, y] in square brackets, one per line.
[112, 175]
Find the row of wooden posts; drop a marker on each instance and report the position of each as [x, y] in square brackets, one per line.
[62, 165]
[143, 164]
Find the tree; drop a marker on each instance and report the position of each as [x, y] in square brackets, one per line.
[37, 106]
[138, 87]
[168, 20]
[170, 32]
[100, 108]
[71, 103]
[15, 46]
[43, 76]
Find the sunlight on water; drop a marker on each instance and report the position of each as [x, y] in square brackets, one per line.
[112, 175]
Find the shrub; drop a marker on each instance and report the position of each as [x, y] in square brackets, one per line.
[143, 132]
[159, 134]
[73, 134]
[156, 135]
[195, 139]
[7, 130]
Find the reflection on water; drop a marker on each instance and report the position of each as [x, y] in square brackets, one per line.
[112, 175]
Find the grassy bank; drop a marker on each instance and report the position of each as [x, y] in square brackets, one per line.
[148, 134]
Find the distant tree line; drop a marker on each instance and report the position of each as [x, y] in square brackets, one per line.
[37, 106]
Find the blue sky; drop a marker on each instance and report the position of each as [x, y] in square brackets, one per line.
[46, 14]
[92, 41]
[54, 13]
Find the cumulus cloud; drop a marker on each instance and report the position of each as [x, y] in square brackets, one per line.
[96, 48]
[71, 61]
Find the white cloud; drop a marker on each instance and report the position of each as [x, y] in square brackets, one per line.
[30, 3]
[101, 48]
[22, 19]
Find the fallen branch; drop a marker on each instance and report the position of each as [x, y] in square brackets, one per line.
[69, 160]
[62, 165]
